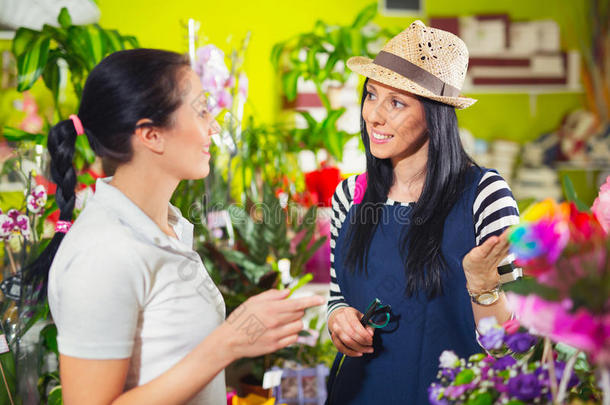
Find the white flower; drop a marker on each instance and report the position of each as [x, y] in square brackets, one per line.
[486, 324]
[6, 226]
[37, 199]
[448, 359]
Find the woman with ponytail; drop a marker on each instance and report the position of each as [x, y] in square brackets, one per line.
[139, 319]
[422, 230]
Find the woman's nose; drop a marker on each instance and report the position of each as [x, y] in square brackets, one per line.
[377, 114]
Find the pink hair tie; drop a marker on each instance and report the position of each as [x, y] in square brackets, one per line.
[78, 125]
[63, 226]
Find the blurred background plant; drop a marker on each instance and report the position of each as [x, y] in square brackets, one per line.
[319, 56]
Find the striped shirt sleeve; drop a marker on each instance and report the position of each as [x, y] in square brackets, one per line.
[341, 204]
[494, 209]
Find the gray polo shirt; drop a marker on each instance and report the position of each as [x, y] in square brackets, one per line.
[119, 287]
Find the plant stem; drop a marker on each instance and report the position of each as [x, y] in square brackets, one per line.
[565, 378]
[547, 356]
[8, 389]
[11, 259]
[605, 384]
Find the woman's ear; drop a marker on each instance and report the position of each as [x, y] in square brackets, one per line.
[149, 136]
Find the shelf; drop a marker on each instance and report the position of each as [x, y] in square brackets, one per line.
[532, 90]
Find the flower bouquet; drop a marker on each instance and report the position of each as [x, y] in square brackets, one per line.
[517, 378]
[566, 298]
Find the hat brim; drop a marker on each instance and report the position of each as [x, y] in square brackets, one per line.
[367, 67]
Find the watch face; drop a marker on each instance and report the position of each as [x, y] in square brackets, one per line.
[487, 298]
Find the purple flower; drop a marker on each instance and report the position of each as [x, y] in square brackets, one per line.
[525, 387]
[503, 363]
[449, 373]
[434, 392]
[559, 370]
[455, 391]
[493, 339]
[499, 384]
[520, 342]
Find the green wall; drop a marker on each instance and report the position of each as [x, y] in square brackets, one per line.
[510, 116]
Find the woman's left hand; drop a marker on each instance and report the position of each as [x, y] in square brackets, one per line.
[481, 263]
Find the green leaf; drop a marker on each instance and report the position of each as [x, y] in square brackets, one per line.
[477, 357]
[528, 285]
[86, 179]
[464, 377]
[23, 38]
[356, 41]
[55, 396]
[94, 38]
[276, 54]
[17, 135]
[481, 398]
[251, 269]
[131, 41]
[31, 63]
[312, 62]
[311, 121]
[365, 16]
[331, 119]
[313, 249]
[64, 18]
[49, 338]
[289, 83]
[84, 150]
[331, 62]
[570, 194]
[113, 40]
[302, 281]
[515, 402]
[51, 75]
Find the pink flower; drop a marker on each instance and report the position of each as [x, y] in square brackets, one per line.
[511, 326]
[14, 223]
[6, 226]
[243, 85]
[579, 330]
[534, 312]
[224, 99]
[601, 206]
[37, 199]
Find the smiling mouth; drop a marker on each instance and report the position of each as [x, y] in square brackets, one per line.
[381, 137]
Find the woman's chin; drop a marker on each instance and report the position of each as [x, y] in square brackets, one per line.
[380, 154]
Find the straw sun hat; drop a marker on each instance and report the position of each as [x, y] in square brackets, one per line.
[421, 60]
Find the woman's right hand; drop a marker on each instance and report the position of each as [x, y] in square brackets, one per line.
[266, 323]
[348, 334]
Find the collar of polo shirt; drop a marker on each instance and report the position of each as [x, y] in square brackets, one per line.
[132, 216]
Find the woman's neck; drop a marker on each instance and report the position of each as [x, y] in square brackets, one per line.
[151, 190]
[409, 175]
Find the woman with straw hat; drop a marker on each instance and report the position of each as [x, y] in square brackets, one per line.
[422, 230]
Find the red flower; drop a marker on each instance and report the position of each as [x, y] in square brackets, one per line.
[322, 184]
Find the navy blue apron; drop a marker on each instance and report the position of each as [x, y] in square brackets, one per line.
[407, 350]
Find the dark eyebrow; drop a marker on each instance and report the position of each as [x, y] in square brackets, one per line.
[393, 93]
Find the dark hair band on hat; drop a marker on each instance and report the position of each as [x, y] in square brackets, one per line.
[416, 74]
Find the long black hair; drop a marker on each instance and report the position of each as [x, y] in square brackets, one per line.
[122, 89]
[446, 169]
